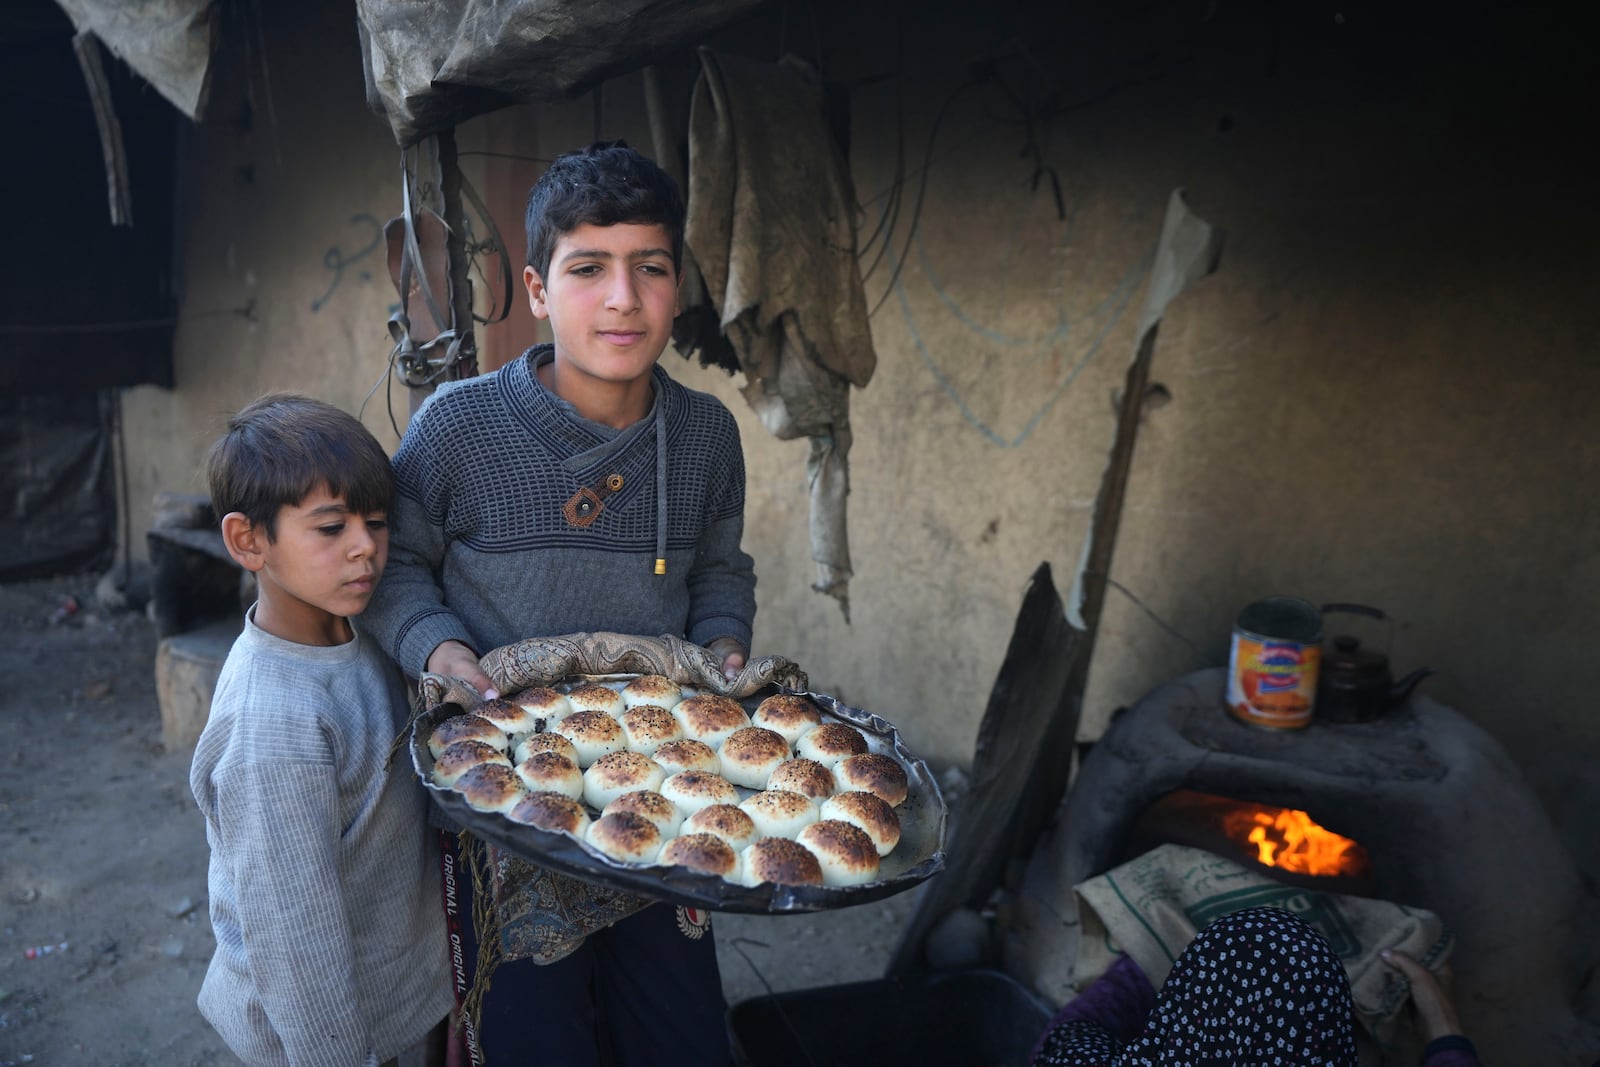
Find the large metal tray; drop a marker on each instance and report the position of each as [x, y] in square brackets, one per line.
[918, 856]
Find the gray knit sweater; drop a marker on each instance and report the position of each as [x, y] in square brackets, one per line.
[324, 879]
[515, 517]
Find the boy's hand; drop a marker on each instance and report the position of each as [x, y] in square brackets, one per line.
[733, 655]
[458, 661]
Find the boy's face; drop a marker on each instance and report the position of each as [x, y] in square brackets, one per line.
[610, 297]
[321, 568]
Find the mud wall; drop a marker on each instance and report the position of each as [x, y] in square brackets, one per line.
[1384, 395]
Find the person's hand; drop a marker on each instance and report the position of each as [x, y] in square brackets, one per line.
[456, 660]
[733, 655]
[1435, 1012]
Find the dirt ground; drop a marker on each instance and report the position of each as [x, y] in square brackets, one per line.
[105, 858]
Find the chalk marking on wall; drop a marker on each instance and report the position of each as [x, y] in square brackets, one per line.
[1198, 363]
[1039, 347]
[1063, 328]
[1117, 301]
[1057, 335]
[1042, 354]
[336, 261]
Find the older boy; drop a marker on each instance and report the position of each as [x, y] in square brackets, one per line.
[577, 489]
[330, 945]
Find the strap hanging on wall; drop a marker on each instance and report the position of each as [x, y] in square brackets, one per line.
[418, 246]
[427, 262]
[495, 245]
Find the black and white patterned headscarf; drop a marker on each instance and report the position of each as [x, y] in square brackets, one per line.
[1255, 988]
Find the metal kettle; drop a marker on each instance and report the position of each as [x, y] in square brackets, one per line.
[1354, 683]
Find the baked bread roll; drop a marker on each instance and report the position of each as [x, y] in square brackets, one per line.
[459, 758]
[617, 773]
[749, 756]
[549, 741]
[649, 726]
[844, 851]
[787, 713]
[710, 718]
[830, 743]
[706, 853]
[544, 703]
[553, 812]
[693, 790]
[491, 787]
[625, 837]
[512, 718]
[687, 754]
[551, 772]
[869, 812]
[874, 773]
[804, 776]
[466, 728]
[596, 697]
[651, 805]
[780, 861]
[593, 734]
[779, 813]
[724, 821]
[651, 689]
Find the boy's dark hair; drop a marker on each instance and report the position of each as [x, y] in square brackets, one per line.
[280, 448]
[602, 185]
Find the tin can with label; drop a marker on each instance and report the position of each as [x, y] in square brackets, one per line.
[1272, 663]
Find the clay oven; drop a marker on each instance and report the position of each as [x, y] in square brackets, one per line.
[1440, 812]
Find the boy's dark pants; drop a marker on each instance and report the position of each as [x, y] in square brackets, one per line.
[645, 991]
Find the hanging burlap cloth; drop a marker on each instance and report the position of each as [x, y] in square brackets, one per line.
[528, 912]
[1152, 907]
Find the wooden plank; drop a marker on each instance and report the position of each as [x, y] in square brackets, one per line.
[1019, 769]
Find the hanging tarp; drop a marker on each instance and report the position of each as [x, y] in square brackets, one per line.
[57, 499]
[431, 64]
[168, 42]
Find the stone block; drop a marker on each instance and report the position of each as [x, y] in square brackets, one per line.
[187, 667]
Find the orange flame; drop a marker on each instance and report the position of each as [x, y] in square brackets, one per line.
[1288, 839]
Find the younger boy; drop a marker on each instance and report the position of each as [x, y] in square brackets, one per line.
[330, 946]
[578, 489]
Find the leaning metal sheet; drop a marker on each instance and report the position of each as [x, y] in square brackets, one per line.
[918, 856]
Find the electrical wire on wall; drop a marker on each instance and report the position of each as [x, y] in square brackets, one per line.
[916, 210]
[983, 71]
[1032, 109]
[255, 54]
